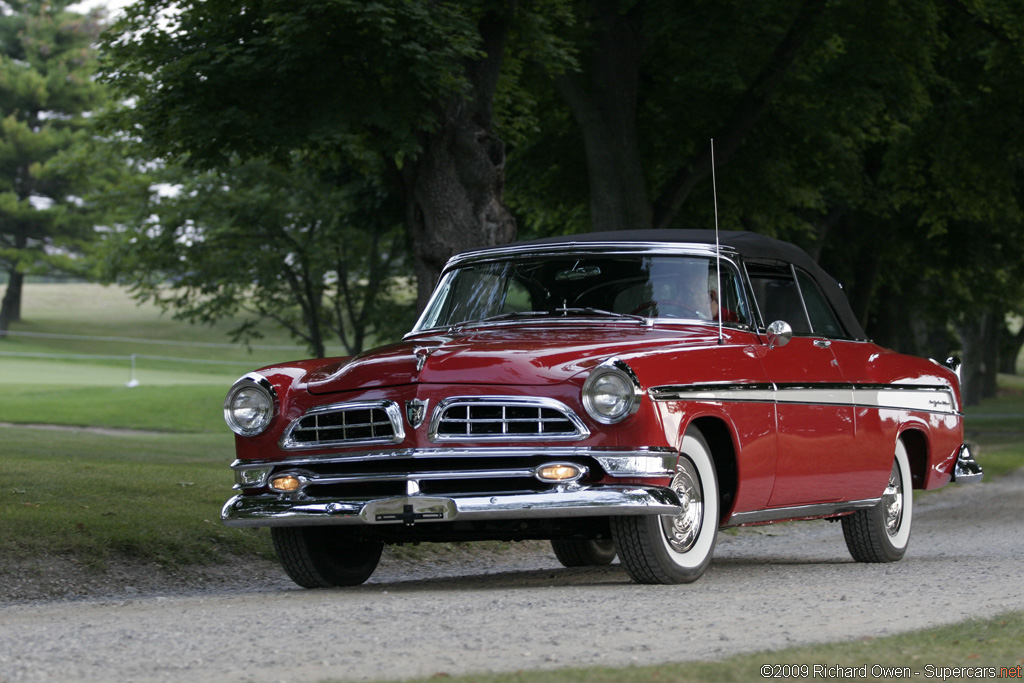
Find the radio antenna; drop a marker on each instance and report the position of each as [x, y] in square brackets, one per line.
[718, 248]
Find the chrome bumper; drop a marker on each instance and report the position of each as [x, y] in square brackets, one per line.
[273, 510]
[966, 470]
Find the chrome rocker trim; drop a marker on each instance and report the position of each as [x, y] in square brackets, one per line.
[799, 512]
[272, 510]
[966, 470]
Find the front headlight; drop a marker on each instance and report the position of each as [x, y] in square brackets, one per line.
[611, 393]
[249, 405]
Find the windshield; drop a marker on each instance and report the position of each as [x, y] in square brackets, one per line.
[672, 286]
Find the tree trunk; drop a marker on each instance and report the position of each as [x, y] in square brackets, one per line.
[455, 198]
[606, 115]
[1009, 349]
[454, 190]
[10, 310]
[975, 334]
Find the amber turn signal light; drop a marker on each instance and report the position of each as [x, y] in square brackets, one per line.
[560, 472]
[285, 483]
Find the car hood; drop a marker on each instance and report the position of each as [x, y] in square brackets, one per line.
[520, 356]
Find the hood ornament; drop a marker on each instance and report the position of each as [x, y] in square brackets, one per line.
[422, 353]
[416, 411]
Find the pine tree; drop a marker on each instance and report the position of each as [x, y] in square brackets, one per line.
[47, 96]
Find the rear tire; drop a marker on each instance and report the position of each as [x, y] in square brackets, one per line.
[325, 556]
[882, 533]
[573, 552]
[675, 548]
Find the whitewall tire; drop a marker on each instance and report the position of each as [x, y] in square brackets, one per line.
[882, 533]
[675, 548]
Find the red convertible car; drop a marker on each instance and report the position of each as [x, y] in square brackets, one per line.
[620, 394]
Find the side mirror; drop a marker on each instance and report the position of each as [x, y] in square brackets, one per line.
[779, 334]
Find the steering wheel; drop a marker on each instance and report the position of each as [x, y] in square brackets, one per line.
[668, 310]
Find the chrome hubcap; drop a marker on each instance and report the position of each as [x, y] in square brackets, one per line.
[893, 501]
[682, 530]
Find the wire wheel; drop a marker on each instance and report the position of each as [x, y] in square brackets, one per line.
[682, 530]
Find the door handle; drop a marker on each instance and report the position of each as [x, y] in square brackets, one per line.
[822, 343]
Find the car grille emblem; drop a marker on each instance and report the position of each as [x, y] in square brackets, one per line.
[416, 411]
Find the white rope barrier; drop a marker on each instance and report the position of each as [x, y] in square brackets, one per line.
[133, 340]
[132, 379]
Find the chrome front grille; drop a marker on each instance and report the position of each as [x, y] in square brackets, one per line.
[346, 424]
[505, 417]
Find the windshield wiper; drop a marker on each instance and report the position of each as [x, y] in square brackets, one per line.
[563, 311]
[507, 316]
[590, 310]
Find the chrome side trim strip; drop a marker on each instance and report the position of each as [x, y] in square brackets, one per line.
[914, 397]
[799, 512]
[255, 511]
[731, 392]
[931, 399]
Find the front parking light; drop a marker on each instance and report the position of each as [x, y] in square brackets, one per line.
[286, 483]
[560, 472]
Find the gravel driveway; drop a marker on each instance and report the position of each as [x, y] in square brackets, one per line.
[767, 588]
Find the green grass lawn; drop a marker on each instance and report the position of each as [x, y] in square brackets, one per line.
[98, 497]
[65, 324]
[996, 427]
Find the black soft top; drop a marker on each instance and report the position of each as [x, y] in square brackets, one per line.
[749, 245]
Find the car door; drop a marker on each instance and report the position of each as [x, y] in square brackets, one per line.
[815, 421]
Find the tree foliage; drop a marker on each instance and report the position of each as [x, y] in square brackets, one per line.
[258, 242]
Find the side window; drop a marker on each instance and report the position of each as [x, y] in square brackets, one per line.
[823, 320]
[778, 297]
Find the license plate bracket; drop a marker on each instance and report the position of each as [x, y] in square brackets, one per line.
[409, 511]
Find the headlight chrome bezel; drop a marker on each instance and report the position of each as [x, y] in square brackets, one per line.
[256, 387]
[612, 371]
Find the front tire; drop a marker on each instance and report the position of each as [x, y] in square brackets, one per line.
[573, 552]
[325, 556]
[882, 533]
[675, 548]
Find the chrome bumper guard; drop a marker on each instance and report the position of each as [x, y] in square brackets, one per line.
[966, 470]
[272, 510]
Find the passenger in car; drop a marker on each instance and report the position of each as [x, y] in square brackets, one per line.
[728, 316]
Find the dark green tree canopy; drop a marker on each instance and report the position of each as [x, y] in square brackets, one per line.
[215, 78]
